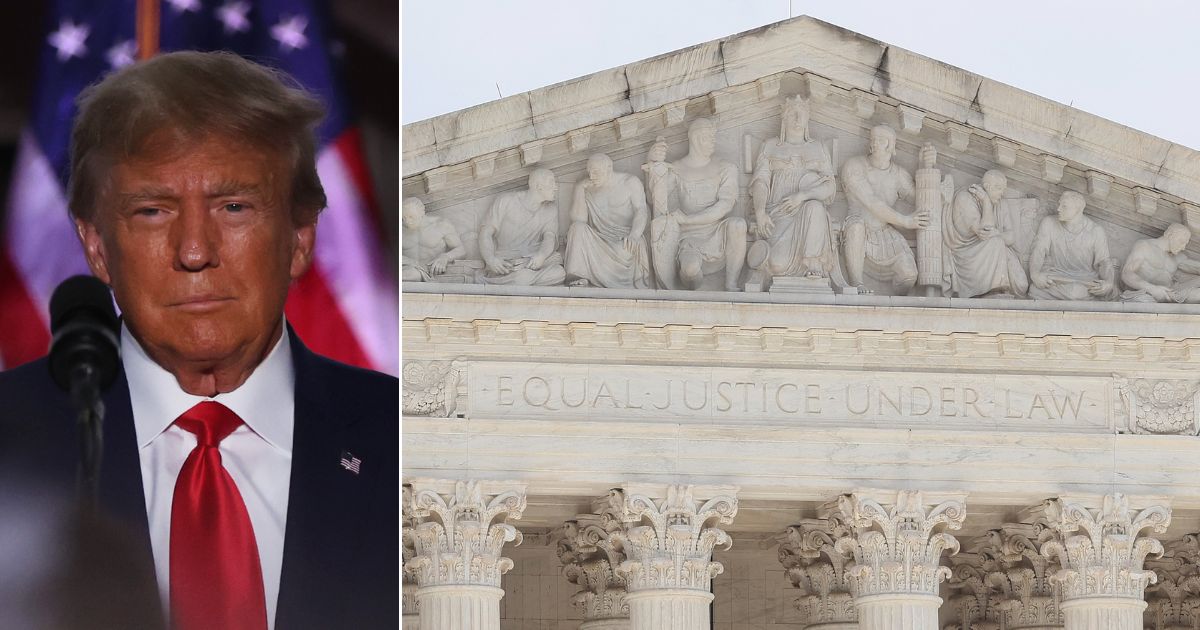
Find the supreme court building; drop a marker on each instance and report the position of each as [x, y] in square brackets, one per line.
[796, 329]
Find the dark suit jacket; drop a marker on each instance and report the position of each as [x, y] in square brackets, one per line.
[341, 545]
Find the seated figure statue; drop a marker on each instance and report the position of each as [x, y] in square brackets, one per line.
[428, 243]
[606, 243]
[692, 234]
[1069, 259]
[874, 183]
[981, 257]
[519, 236]
[792, 183]
[1158, 271]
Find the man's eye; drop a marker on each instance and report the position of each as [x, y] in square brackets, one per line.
[234, 207]
[148, 212]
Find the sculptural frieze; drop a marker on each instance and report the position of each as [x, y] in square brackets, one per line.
[518, 239]
[981, 258]
[873, 242]
[1156, 269]
[693, 234]
[1070, 258]
[428, 243]
[792, 185]
[606, 246]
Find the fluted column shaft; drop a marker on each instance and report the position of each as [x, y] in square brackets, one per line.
[605, 624]
[1103, 613]
[456, 550]
[669, 609]
[896, 611]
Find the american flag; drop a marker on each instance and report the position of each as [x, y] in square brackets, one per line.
[351, 463]
[345, 307]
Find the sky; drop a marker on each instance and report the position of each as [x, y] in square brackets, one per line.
[1136, 62]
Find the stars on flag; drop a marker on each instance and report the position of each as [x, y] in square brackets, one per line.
[289, 32]
[185, 6]
[69, 39]
[122, 54]
[233, 15]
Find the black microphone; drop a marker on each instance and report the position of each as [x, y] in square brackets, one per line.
[84, 351]
[84, 357]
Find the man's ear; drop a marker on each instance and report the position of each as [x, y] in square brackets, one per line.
[304, 239]
[93, 249]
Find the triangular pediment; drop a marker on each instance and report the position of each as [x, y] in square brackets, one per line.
[1135, 184]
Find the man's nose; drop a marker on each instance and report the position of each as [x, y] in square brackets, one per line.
[197, 240]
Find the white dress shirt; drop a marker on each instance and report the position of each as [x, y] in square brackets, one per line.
[258, 454]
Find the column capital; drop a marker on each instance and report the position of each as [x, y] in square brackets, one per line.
[898, 538]
[806, 551]
[455, 539]
[1019, 575]
[408, 551]
[1100, 545]
[590, 550]
[1174, 600]
[670, 533]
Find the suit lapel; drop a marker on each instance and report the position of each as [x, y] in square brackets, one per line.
[324, 502]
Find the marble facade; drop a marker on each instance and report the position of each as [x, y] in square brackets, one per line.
[797, 329]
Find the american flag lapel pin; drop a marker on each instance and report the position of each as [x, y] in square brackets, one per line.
[350, 462]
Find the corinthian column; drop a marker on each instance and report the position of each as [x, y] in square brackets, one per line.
[807, 553]
[1174, 601]
[669, 538]
[409, 612]
[590, 554]
[1102, 554]
[457, 550]
[897, 553]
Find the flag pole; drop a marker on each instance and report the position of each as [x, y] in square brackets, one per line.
[147, 28]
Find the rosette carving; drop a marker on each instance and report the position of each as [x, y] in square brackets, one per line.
[806, 551]
[1160, 406]
[591, 552]
[455, 540]
[1102, 551]
[899, 550]
[669, 542]
[430, 388]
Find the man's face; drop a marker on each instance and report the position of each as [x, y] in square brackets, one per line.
[1069, 208]
[544, 189]
[881, 144]
[413, 214]
[199, 247]
[599, 171]
[703, 141]
[1177, 240]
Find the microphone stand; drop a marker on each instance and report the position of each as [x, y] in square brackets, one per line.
[85, 397]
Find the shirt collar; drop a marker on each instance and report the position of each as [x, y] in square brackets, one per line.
[265, 402]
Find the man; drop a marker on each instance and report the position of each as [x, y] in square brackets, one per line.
[873, 185]
[606, 245]
[693, 234]
[981, 260]
[1069, 259]
[429, 244]
[519, 237]
[1158, 271]
[260, 479]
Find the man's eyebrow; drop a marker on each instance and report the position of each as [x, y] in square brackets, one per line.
[232, 187]
[148, 193]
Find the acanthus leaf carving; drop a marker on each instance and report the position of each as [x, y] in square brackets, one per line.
[456, 539]
[899, 549]
[813, 565]
[590, 552]
[1018, 575]
[669, 540]
[1102, 551]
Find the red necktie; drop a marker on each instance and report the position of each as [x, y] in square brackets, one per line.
[216, 580]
